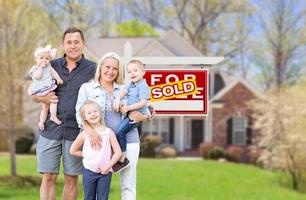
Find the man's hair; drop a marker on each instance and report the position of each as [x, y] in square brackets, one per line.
[73, 29]
[138, 62]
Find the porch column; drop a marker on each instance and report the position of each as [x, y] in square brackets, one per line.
[181, 136]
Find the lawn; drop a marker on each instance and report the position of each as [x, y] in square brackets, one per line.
[173, 180]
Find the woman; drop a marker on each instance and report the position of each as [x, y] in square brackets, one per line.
[106, 85]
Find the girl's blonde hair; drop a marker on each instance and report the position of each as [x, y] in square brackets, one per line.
[83, 110]
[119, 79]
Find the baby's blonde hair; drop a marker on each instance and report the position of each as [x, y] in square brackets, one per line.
[83, 110]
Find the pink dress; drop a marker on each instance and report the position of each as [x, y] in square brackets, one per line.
[96, 159]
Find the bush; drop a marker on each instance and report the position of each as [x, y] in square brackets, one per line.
[234, 153]
[204, 149]
[25, 139]
[166, 151]
[216, 153]
[148, 144]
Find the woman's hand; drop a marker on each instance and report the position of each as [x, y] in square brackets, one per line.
[137, 116]
[95, 139]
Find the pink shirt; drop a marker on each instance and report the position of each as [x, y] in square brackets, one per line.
[96, 159]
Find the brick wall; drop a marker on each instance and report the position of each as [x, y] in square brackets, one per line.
[234, 104]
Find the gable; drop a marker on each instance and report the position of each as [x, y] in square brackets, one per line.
[155, 48]
[233, 86]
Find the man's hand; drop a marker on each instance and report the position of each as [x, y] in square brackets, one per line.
[49, 98]
[136, 116]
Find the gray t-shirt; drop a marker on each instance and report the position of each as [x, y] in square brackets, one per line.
[113, 119]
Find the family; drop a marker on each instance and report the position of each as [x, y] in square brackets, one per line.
[92, 124]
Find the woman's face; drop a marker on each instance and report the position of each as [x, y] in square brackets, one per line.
[109, 70]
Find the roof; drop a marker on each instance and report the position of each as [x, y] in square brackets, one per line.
[169, 44]
[231, 85]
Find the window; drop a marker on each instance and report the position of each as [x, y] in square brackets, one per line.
[237, 129]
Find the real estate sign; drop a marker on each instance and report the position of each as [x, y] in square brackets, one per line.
[178, 91]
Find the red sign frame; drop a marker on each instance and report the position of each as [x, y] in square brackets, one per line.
[196, 104]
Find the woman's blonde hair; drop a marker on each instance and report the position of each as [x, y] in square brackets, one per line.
[119, 79]
[83, 110]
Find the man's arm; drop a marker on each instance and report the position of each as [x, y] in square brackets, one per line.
[49, 98]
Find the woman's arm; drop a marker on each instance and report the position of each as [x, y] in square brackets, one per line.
[75, 148]
[116, 153]
[135, 106]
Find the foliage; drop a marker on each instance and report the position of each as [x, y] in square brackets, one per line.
[204, 149]
[23, 27]
[135, 28]
[279, 45]
[148, 144]
[25, 139]
[234, 153]
[216, 153]
[165, 151]
[280, 118]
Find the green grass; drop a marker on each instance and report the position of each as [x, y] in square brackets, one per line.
[173, 180]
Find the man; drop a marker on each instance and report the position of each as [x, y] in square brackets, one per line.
[55, 140]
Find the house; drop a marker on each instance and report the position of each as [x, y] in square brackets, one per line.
[229, 120]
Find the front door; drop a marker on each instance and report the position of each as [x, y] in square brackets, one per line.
[197, 127]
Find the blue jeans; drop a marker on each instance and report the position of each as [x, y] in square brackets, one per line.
[124, 127]
[95, 185]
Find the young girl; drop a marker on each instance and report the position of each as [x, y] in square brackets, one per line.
[43, 76]
[97, 163]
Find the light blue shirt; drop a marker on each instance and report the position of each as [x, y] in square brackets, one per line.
[138, 91]
[95, 92]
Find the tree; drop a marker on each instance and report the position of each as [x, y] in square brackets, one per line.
[135, 28]
[215, 27]
[22, 28]
[280, 118]
[279, 44]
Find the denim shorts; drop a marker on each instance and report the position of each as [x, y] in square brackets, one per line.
[49, 153]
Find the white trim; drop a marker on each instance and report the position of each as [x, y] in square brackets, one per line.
[181, 60]
[226, 89]
[215, 105]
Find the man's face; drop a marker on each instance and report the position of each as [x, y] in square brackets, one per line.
[73, 46]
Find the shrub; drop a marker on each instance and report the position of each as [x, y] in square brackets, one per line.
[166, 151]
[204, 149]
[216, 153]
[148, 144]
[234, 153]
[25, 139]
